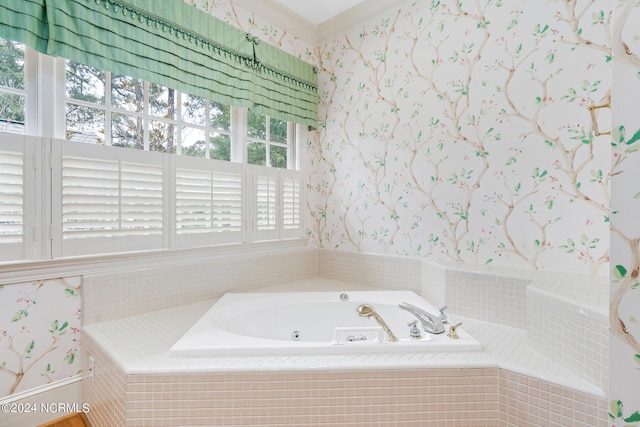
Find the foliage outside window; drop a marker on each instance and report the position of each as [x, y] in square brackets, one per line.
[268, 141]
[111, 109]
[144, 116]
[12, 87]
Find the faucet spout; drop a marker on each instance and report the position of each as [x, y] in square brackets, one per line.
[430, 323]
[365, 310]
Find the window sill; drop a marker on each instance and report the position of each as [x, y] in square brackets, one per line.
[23, 271]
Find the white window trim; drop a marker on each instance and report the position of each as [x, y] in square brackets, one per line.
[45, 133]
[44, 213]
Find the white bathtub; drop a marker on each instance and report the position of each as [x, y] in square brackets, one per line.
[291, 323]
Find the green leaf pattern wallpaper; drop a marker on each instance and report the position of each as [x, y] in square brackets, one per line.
[39, 333]
[624, 345]
[461, 131]
[483, 132]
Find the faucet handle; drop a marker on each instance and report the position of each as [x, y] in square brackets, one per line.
[442, 316]
[414, 332]
[453, 331]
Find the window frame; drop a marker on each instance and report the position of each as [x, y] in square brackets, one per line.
[45, 132]
[147, 116]
[289, 144]
[45, 79]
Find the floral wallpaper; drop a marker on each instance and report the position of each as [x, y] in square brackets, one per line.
[247, 21]
[467, 131]
[461, 131]
[39, 333]
[624, 340]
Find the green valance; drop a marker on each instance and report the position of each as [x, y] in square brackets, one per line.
[173, 44]
[25, 22]
[284, 83]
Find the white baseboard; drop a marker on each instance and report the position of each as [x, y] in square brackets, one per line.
[42, 404]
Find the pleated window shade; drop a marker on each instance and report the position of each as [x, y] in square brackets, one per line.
[169, 43]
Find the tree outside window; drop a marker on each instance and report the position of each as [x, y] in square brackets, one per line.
[267, 141]
[112, 109]
[12, 88]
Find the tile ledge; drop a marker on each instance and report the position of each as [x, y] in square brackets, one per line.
[131, 350]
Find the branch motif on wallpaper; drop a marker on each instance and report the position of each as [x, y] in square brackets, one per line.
[426, 138]
[626, 278]
[459, 123]
[36, 348]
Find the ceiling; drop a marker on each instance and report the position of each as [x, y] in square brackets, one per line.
[317, 20]
[318, 12]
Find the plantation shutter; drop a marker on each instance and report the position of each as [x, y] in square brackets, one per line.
[209, 202]
[15, 197]
[12, 200]
[277, 203]
[114, 200]
[291, 204]
[266, 203]
[106, 199]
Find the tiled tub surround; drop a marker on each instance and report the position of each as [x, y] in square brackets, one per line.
[127, 293]
[505, 384]
[564, 316]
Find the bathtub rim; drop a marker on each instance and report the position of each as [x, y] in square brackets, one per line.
[143, 349]
[212, 325]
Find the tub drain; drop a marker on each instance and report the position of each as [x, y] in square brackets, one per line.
[296, 335]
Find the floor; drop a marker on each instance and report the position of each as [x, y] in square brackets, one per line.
[71, 420]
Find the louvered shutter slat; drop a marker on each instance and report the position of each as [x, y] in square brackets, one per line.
[110, 194]
[266, 202]
[208, 201]
[291, 203]
[11, 197]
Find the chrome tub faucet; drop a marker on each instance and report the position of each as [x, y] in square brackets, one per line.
[430, 323]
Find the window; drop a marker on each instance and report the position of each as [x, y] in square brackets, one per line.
[268, 142]
[140, 166]
[85, 107]
[12, 87]
[142, 115]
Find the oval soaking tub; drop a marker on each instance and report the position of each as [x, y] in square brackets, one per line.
[258, 324]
